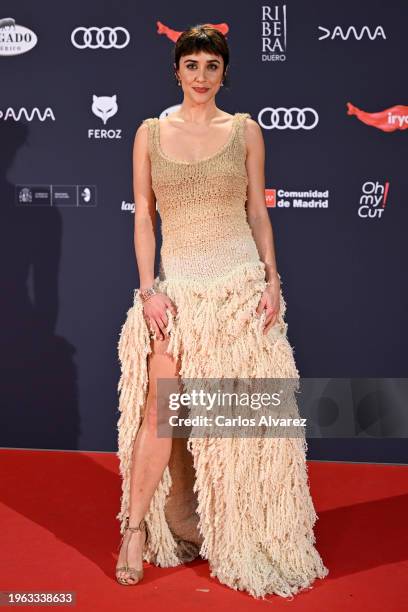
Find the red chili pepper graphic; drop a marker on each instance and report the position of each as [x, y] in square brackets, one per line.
[174, 34]
[389, 120]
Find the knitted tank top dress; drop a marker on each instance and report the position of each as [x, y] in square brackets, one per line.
[246, 505]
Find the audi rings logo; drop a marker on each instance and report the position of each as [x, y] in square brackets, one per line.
[288, 118]
[100, 38]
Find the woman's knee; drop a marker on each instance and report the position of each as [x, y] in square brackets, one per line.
[156, 417]
[161, 366]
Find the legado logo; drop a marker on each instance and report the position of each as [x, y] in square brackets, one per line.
[15, 39]
[22, 112]
[288, 118]
[389, 120]
[100, 38]
[351, 32]
[372, 202]
[105, 107]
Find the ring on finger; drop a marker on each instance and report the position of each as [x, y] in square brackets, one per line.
[152, 331]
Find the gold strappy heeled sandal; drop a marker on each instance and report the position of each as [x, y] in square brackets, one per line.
[135, 575]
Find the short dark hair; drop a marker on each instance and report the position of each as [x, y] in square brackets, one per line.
[202, 37]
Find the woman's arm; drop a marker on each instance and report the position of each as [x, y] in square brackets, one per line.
[154, 308]
[145, 208]
[260, 223]
[257, 212]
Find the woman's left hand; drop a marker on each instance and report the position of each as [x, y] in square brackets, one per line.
[270, 302]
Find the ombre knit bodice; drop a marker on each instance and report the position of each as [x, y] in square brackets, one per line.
[202, 208]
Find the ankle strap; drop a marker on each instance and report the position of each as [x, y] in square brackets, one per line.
[140, 527]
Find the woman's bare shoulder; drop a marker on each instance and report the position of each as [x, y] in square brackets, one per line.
[144, 125]
[141, 138]
[253, 129]
[254, 138]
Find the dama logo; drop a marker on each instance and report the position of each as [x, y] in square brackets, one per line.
[389, 120]
[29, 115]
[372, 202]
[351, 32]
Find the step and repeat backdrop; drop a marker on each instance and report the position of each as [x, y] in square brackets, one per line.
[326, 83]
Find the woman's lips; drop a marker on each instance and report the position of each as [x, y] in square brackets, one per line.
[200, 89]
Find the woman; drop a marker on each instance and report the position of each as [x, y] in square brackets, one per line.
[215, 311]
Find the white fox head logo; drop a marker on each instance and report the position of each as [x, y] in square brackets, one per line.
[104, 107]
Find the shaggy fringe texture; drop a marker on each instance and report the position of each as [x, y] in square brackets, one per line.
[255, 511]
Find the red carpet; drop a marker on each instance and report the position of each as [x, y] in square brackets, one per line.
[58, 533]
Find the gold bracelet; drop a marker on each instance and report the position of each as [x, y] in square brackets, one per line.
[145, 294]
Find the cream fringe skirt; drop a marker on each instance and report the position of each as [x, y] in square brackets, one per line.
[241, 503]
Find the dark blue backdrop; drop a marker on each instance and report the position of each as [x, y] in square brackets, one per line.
[67, 255]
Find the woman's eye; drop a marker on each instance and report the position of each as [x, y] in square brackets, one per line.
[212, 66]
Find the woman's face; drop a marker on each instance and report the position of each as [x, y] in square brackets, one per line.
[200, 75]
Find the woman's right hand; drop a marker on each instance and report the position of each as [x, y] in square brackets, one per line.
[154, 312]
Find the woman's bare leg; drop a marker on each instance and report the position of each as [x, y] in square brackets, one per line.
[150, 456]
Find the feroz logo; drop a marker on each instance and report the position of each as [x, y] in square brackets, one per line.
[274, 33]
[372, 202]
[288, 118]
[100, 38]
[15, 39]
[105, 107]
[351, 32]
[22, 112]
[389, 120]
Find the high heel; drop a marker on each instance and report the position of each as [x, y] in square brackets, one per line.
[135, 575]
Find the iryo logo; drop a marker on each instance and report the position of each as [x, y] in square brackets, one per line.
[388, 120]
[372, 202]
